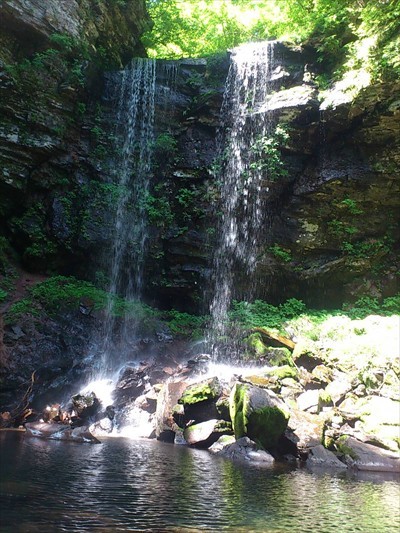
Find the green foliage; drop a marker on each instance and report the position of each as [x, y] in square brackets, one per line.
[339, 30]
[32, 225]
[189, 200]
[53, 69]
[266, 154]
[366, 249]
[60, 293]
[3, 295]
[23, 307]
[352, 206]
[281, 253]
[184, 324]
[165, 144]
[366, 305]
[158, 210]
[263, 314]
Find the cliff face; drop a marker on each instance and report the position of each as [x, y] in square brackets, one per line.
[331, 230]
[52, 56]
[331, 233]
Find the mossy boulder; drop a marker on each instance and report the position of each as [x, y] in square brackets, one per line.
[256, 345]
[270, 378]
[364, 456]
[209, 389]
[206, 433]
[282, 372]
[258, 414]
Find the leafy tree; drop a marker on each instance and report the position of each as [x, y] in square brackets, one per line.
[334, 27]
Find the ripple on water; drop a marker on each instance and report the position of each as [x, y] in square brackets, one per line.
[128, 485]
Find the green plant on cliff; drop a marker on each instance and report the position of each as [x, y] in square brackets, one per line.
[185, 324]
[281, 253]
[266, 155]
[60, 293]
[158, 210]
[53, 69]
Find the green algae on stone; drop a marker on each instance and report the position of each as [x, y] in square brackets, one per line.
[258, 414]
[282, 372]
[266, 425]
[209, 389]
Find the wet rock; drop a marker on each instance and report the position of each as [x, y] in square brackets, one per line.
[209, 389]
[130, 385]
[206, 433]
[222, 406]
[364, 456]
[86, 405]
[167, 399]
[258, 414]
[201, 411]
[321, 457]
[56, 431]
[102, 427]
[243, 449]
[305, 430]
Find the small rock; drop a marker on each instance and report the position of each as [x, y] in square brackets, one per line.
[308, 400]
[321, 457]
[243, 449]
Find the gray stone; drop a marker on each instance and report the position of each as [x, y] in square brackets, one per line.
[321, 457]
[243, 449]
[167, 399]
[364, 456]
[308, 400]
[60, 432]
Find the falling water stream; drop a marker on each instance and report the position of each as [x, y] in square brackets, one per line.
[133, 90]
[242, 180]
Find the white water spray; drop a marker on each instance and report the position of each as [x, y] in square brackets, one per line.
[243, 187]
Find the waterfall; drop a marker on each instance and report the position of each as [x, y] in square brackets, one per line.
[133, 92]
[245, 121]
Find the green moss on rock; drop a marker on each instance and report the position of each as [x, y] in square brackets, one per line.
[282, 372]
[258, 414]
[266, 425]
[209, 389]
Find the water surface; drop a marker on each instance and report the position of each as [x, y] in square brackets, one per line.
[139, 485]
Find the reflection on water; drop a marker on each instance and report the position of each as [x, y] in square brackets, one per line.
[127, 485]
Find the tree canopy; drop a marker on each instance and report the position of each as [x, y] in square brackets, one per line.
[193, 28]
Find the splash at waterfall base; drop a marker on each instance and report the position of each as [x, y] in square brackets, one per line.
[311, 409]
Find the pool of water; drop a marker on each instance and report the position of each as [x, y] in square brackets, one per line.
[146, 486]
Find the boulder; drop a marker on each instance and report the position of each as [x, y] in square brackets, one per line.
[131, 384]
[167, 399]
[102, 427]
[305, 430]
[321, 457]
[86, 405]
[339, 387]
[258, 414]
[376, 416]
[60, 432]
[206, 433]
[243, 449]
[309, 400]
[208, 389]
[364, 456]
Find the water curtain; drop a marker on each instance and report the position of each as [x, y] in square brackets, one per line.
[133, 91]
[242, 183]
